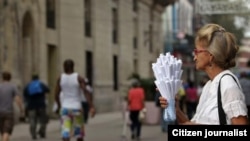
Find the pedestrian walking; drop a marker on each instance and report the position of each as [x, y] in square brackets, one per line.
[136, 97]
[70, 84]
[8, 94]
[192, 99]
[85, 104]
[215, 54]
[35, 96]
[245, 84]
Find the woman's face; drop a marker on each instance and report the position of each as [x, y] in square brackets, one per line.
[202, 57]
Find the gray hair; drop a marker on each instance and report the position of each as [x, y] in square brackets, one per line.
[220, 43]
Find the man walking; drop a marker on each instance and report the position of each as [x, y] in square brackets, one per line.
[70, 84]
[85, 105]
[35, 96]
[8, 94]
[245, 84]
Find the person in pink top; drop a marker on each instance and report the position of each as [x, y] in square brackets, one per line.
[136, 98]
[191, 99]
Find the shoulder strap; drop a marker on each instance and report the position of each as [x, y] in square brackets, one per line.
[222, 115]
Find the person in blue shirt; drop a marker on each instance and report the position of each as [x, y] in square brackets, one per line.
[35, 99]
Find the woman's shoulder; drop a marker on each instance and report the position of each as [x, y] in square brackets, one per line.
[225, 77]
[230, 80]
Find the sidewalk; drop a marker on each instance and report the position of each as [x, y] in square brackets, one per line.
[104, 126]
[22, 129]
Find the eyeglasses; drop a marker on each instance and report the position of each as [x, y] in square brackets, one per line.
[197, 51]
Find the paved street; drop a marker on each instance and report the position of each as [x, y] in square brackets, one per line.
[107, 127]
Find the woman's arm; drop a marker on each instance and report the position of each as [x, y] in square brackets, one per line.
[181, 116]
[240, 120]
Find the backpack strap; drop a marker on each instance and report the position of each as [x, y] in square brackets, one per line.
[222, 115]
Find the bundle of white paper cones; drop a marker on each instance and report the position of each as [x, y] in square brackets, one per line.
[167, 71]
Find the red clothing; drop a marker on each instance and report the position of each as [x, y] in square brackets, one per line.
[136, 99]
[192, 95]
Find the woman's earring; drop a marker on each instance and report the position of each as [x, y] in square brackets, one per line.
[210, 64]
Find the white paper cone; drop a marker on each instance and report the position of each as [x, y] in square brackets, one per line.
[167, 71]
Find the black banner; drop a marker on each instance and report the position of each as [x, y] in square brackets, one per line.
[208, 132]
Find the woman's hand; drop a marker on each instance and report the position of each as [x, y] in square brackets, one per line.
[163, 102]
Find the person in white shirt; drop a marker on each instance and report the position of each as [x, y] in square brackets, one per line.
[85, 105]
[215, 54]
[70, 84]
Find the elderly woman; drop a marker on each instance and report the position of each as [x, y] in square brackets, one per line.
[215, 54]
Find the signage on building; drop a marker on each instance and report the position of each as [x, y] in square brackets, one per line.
[205, 7]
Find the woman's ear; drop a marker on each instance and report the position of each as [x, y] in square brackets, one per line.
[211, 58]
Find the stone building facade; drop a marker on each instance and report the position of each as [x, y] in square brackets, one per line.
[108, 40]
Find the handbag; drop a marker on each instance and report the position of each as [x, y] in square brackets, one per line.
[142, 114]
[222, 115]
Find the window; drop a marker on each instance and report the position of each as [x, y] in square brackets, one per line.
[115, 25]
[5, 3]
[87, 16]
[135, 5]
[135, 24]
[115, 72]
[150, 38]
[135, 42]
[135, 65]
[89, 67]
[50, 14]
